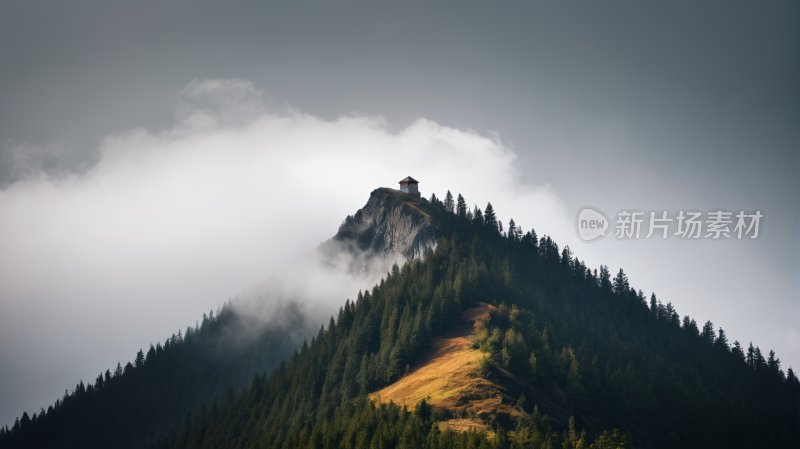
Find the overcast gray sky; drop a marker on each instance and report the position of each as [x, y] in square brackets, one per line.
[179, 139]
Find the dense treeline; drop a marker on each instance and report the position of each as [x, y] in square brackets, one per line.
[318, 399]
[368, 346]
[363, 424]
[625, 362]
[148, 399]
[615, 360]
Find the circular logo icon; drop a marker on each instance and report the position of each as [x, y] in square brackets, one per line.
[591, 224]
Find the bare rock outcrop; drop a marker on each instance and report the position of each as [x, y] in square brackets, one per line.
[392, 226]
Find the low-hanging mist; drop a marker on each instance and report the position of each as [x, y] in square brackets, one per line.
[297, 298]
[100, 262]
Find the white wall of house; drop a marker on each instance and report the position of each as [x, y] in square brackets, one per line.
[409, 188]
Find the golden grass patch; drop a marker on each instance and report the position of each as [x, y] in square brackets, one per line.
[446, 375]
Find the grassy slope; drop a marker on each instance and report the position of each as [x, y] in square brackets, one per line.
[447, 376]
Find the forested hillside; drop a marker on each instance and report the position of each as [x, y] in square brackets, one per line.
[618, 359]
[148, 399]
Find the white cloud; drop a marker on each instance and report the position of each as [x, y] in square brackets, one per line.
[167, 225]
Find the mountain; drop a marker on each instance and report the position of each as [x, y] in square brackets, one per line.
[478, 338]
[392, 224]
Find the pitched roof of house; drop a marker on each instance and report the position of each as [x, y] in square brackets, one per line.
[409, 180]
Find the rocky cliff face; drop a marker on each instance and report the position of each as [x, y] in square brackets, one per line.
[392, 226]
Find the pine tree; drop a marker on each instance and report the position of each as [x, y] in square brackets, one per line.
[527, 242]
[448, 202]
[571, 438]
[671, 315]
[642, 300]
[566, 257]
[613, 441]
[791, 378]
[708, 333]
[605, 276]
[738, 351]
[653, 309]
[514, 234]
[461, 207]
[621, 285]
[576, 393]
[773, 364]
[722, 340]
[477, 216]
[759, 359]
[520, 405]
[139, 361]
[489, 218]
[25, 421]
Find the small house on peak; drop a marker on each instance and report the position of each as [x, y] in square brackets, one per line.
[409, 185]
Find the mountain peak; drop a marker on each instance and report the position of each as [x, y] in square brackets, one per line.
[392, 224]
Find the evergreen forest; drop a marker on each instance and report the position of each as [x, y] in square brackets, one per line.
[632, 371]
